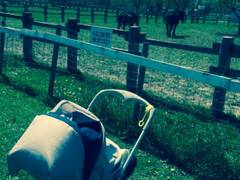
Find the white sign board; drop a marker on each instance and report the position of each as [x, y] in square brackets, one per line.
[101, 37]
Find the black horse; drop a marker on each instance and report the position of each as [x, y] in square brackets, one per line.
[127, 19]
[172, 20]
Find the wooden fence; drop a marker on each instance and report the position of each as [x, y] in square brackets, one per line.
[221, 79]
[225, 51]
[105, 12]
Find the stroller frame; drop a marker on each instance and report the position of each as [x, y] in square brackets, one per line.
[125, 95]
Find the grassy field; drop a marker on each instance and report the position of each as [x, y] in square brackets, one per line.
[196, 144]
[199, 146]
[15, 117]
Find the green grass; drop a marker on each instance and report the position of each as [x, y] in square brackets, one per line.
[199, 146]
[18, 110]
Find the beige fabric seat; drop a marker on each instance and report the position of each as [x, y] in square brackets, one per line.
[49, 149]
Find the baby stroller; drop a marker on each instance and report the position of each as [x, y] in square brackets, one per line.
[69, 143]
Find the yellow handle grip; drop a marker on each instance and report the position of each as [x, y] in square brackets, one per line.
[147, 110]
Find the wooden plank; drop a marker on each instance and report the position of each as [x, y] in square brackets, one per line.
[72, 52]
[142, 69]
[216, 46]
[236, 51]
[27, 41]
[233, 73]
[44, 24]
[132, 69]
[182, 46]
[115, 31]
[8, 15]
[224, 61]
[186, 72]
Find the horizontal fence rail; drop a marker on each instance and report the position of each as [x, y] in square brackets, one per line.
[201, 76]
[9, 15]
[213, 50]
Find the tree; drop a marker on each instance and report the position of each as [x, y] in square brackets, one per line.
[234, 6]
[159, 6]
[105, 2]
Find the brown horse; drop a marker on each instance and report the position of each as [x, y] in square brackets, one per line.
[127, 19]
[172, 20]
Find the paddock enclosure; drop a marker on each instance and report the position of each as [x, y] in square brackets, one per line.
[182, 74]
[161, 82]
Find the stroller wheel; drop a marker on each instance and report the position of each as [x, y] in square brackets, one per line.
[130, 167]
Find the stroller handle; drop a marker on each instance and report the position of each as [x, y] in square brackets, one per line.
[144, 123]
[126, 95]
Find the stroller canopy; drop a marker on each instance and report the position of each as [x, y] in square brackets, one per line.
[66, 143]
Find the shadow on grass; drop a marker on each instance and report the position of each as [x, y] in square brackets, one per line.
[26, 89]
[180, 37]
[76, 73]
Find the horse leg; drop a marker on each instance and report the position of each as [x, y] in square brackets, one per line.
[167, 28]
[124, 25]
[174, 29]
[171, 31]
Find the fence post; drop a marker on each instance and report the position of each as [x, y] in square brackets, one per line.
[26, 6]
[45, 13]
[72, 52]
[132, 69]
[62, 13]
[223, 64]
[142, 70]
[105, 16]
[4, 10]
[204, 19]
[54, 64]
[27, 21]
[92, 15]
[78, 14]
[147, 17]
[156, 18]
[228, 21]
[2, 42]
